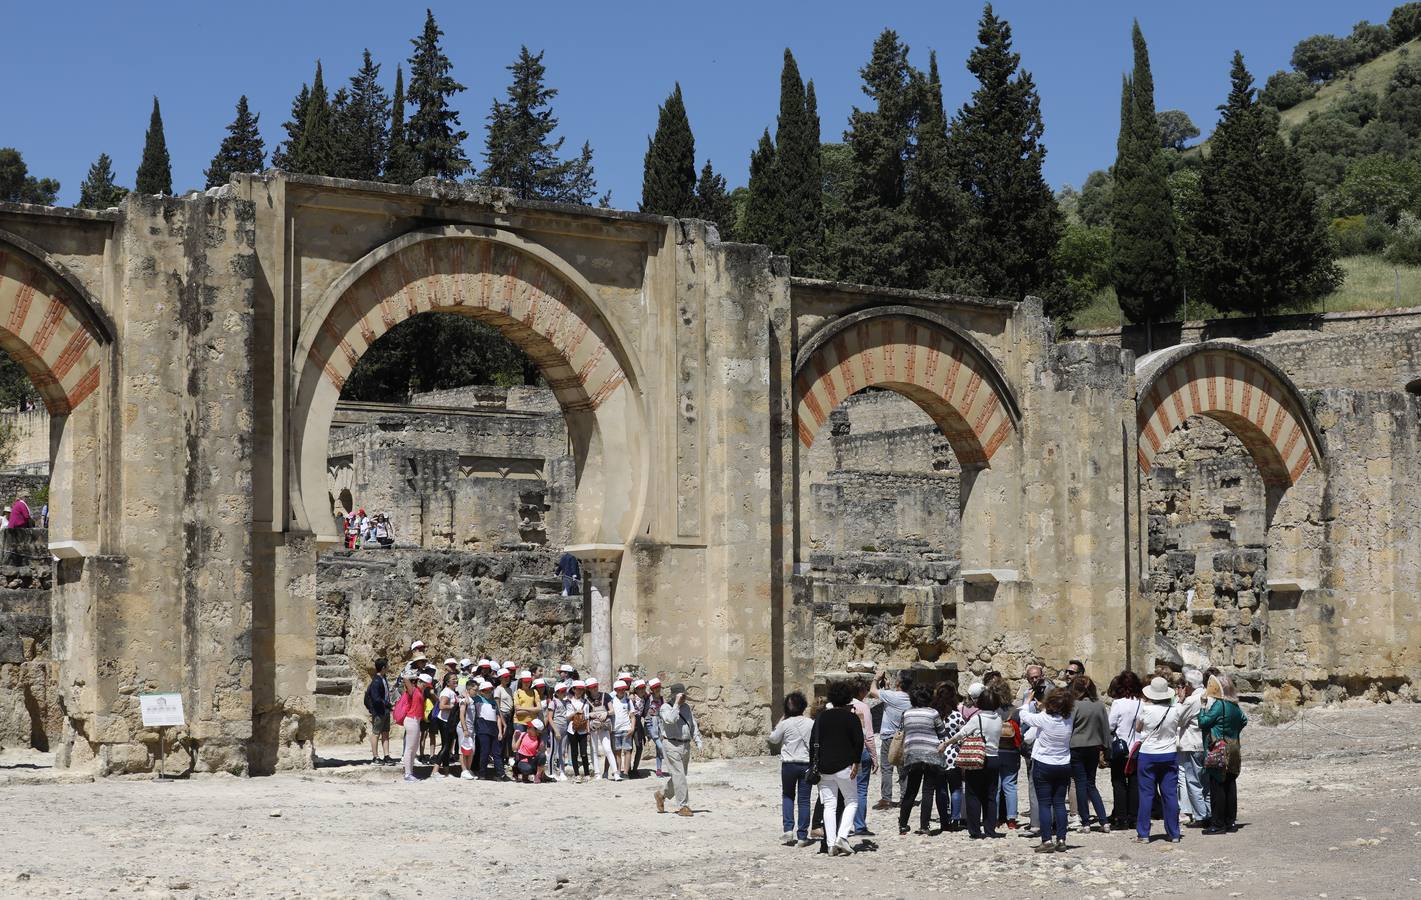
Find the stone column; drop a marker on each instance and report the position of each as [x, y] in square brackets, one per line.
[599, 568]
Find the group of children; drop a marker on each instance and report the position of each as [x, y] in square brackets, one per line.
[487, 715]
[359, 529]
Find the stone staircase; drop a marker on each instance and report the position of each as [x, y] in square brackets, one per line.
[334, 675]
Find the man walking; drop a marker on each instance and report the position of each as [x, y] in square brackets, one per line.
[678, 730]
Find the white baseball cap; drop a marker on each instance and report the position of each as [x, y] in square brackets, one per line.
[654, 683]
[579, 683]
[451, 661]
[975, 689]
[538, 724]
[510, 664]
[566, 668]
[640, 682]
[465, 663]
[621, 685]
[427, 678]
[485, 664]
[539, 682]
[417, 645]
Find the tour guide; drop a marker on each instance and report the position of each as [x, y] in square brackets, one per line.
[678, 729]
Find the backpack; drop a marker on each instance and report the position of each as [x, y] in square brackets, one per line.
[373, 704]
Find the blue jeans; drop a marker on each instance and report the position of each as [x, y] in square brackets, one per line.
[795, 794]
[954, 788]
[1161, 769]
[1051, 783]
[1191, 783]
[1009, 765]
[1084, 762]
[861, 814]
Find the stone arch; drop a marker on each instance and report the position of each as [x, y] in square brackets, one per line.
[1240, 389]
[920, 355]
[50, 325]
[536, 301]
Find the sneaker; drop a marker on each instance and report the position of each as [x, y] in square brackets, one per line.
[388, 761]
[845, 848]
[800, 845]
[466, 775]
[660, 774]
[616, 778]
[374, 760]
[885, 804]
[1011, 824]
[1045, 847]
[1060, 846]
[788, 839]
[411, 778]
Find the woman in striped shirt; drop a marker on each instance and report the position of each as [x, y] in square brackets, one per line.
[924, 734]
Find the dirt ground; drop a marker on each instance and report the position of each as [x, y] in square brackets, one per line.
[1330, 804]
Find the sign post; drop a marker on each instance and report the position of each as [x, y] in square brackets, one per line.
[161, 711]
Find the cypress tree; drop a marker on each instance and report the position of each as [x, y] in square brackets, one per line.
[713, 203]
[668, 184]
[1144, 267]
[433, 132]
[938, 205]
[315, 152]
[873, 244]
[362, 125]
[761, 216]
[520, 153]
[98, 191]
[1260, 244]
[155, 172]
[798, 188]
[996, 142]
[283, 156]
[399, 165]
[242, 149]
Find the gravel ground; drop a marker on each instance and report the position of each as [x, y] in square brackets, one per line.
[1330, 804]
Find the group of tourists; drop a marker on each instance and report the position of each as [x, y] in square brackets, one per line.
[1169, 744]
[360, 529]
[503, 722]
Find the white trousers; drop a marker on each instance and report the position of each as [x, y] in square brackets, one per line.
[411, 742]
[830, 786]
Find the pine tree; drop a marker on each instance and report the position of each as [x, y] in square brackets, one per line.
[996, 142]
[17, 185]
[938, 206]
[1144, 266]
[155, 172]
[399, 165]
[98, 191]
[712, 202]
[759, 223]
[668, 184]
[873, 244]
[242, 149]
[1259, 243]
[520, 153]
[361, 126]
[283, 156]
[433, 133]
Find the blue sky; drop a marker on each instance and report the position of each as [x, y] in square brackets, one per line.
[78, 78]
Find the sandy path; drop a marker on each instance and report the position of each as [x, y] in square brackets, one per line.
[1331, 802]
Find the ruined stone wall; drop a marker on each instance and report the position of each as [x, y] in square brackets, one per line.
[29, 709]
[31, 450]
[478, 478]
[504, 605]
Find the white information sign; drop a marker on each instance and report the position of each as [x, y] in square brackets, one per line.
[161, 709]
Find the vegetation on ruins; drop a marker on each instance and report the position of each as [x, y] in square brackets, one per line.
[242, 149]
[155, 171]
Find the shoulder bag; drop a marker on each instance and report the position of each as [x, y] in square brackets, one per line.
[895, 749]
[1133, 763]
[973, 752]
[812, 777]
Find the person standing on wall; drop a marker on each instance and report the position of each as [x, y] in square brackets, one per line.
[571, 572]
[868, 764]
[894, 704]
[678, 730]
[378, 705]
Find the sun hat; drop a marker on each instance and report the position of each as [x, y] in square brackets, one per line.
[579, 683]
[538, 724]
[654, 683]
[417, 645]
[640, 682]
[975, 689]
[1158, 689]
[677, 688]
[621, 685]
[427, 678]
[419, 657]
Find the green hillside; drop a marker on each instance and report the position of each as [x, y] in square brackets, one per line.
[1371, 77]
